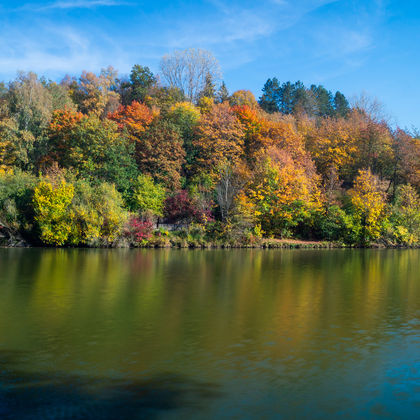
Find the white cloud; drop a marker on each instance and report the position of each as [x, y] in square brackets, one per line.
[57, 50]
[74, 4]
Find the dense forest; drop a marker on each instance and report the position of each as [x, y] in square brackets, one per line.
[103, 160]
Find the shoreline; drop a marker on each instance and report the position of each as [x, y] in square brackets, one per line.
[264, 244]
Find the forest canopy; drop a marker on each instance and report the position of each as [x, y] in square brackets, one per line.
[102, 160]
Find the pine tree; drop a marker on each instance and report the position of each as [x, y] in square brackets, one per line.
[341, 105]
[269, 100]
[223, 93]
[209, 90]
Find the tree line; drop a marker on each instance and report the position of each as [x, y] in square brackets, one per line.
[98, 159]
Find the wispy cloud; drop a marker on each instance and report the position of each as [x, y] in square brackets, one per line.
[55, 50]
[74, 4]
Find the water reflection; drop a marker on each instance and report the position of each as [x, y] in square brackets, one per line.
[278, 333]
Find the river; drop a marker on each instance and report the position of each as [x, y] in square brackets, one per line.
[235, 334]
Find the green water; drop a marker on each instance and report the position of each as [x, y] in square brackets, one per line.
[244, 334]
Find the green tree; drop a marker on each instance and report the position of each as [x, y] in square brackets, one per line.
[97, 214]
[324, 101]
[209, 90]
[406, 215]
[148, 197]
[142, 80]
[269, 100]
[222, 94]
[30, 103]
[341, 105]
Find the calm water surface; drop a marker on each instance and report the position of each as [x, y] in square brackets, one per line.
[145, 334]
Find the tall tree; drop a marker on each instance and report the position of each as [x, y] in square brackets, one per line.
[269, 100]
[96, 94]
[324, 103]
[30, 103]
[141, 81]
[219, 139]
[223, 93]
[209, 90]
[160, 154]
[187, 70]
[341, 105]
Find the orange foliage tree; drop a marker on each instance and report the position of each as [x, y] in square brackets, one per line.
[282, 192]
[135, 118]
[219, 139]
[159, 153]
[60, 130]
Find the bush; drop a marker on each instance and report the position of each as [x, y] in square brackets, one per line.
[138, 231]
[16, 191]
[181, 207]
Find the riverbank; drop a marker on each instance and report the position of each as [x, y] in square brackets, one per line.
[263, 244]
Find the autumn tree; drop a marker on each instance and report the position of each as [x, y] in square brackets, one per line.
[243, 98]
[60, 132]
[135, 118]
[281, 194]
[185, 116]
[95, 149]
[407, 159]
[60, 98]
[219, 139]
[369, 205]
[374, 146]
[51, 203]
[96, 93]
[16, 146]
[159, 153]
[406, 215]
[333, 146]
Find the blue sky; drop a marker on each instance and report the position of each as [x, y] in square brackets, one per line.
[354, 46]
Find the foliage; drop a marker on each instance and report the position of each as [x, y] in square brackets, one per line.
[160, 154]
[148, 197]
[51, 203]
[16, 189]
[95, 93]
[405, 215]
[184, 208]
[76, 156]
[281, 195]
[220, 139]
[139, 231]
[141, 81]
[95, 149]
[369, 204]
[135, 118]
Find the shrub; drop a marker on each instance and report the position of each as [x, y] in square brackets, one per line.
[139, 231]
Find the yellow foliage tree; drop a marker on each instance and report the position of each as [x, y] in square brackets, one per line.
[52, 211]
[369, 204]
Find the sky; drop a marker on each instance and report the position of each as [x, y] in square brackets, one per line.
[355, 46]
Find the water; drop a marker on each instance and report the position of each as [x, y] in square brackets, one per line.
[243, 334]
